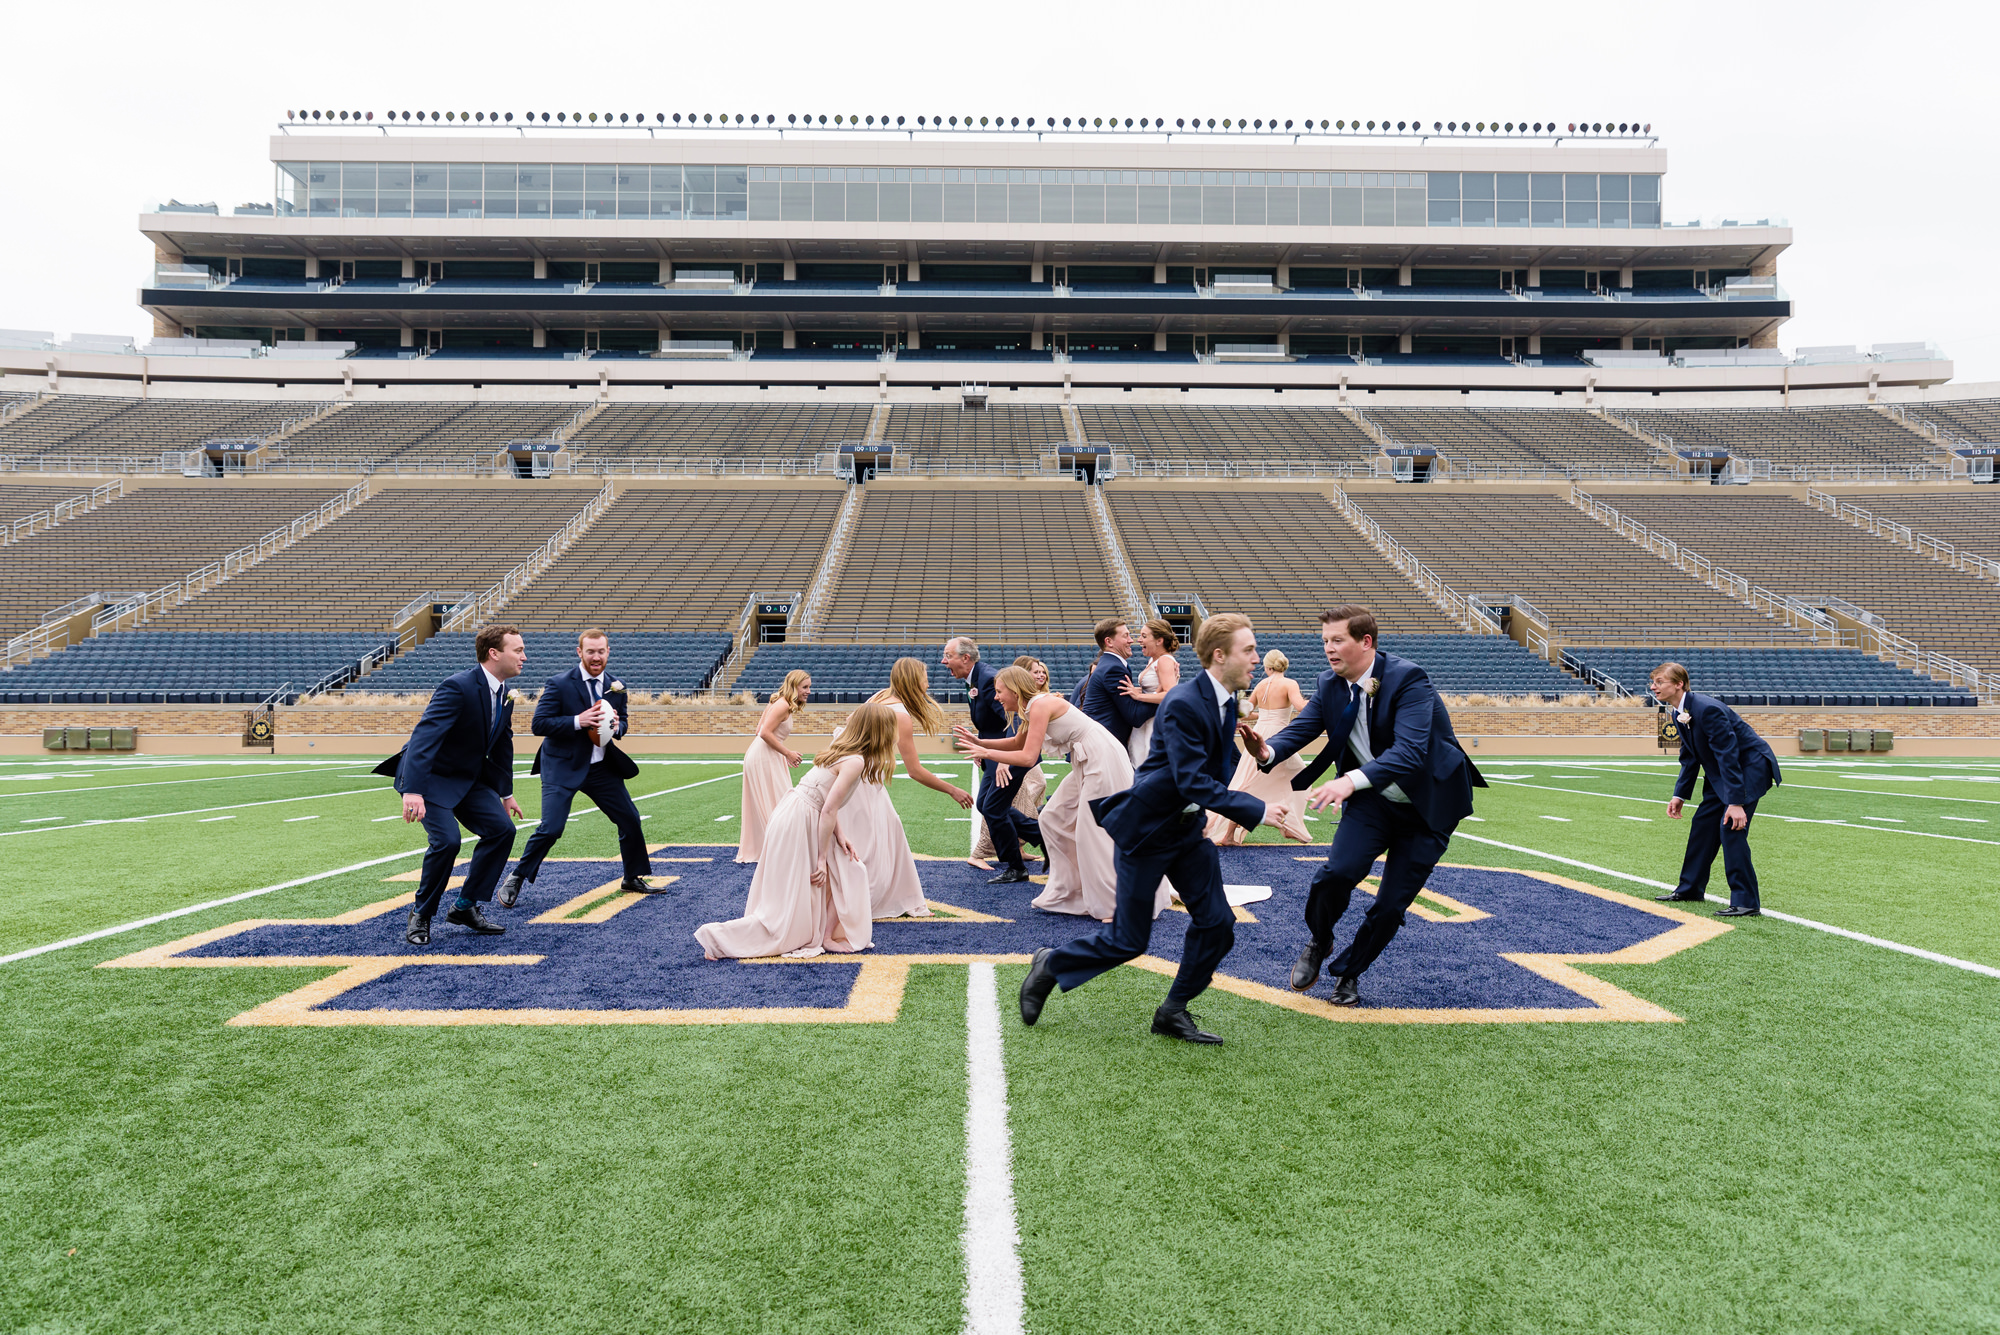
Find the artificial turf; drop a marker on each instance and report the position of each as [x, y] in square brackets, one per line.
[1810, 1148]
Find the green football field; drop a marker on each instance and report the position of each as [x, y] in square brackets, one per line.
[1807, 1142]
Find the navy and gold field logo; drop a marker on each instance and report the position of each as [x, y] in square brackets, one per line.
[1483, 946]
[1670, 731]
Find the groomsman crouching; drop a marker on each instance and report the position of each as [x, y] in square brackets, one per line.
[1739, 767]
[458, 768]
[582, 713]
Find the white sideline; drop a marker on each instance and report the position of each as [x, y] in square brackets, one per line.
[161, 783]
[1918, 951]
[1771, 815]
[992, 1241]
[32, 951]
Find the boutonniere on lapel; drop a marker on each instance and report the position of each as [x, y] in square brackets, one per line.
[1372, 685]
[1684, 717]
[513, 697]
[617, 688]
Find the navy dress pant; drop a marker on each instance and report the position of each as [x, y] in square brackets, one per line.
[1706, 835]
[1370, 827]
[607, 790]
[480, 812]
[1194, 868]
[1009, 828]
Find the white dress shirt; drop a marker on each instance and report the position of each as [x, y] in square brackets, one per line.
[493, 688]
[1358, 739]
[1222, 694]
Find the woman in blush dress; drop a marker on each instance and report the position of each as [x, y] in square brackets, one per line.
[809, 894]
[1082, 877]
[767, 765]
[1034, 785]
[1157, 642]
[1278, 701]
[875, 830]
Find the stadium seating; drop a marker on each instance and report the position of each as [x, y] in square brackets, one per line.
[686, 558]
[1787, 547]
[643, 661]
[1594, 586]
[1527, 437]
[358, 571]
[1818, 678]
[1230, 433]
[1281, 558]
[995, 562]
[80, 425]
[1011, 432]
[1971, 419]
[150, 538]
[20, 502]
[1822, 436]
[186, 667]
[390, 432]
[1489, 664]
[1967, 518]
[718, 430]
[850, 673]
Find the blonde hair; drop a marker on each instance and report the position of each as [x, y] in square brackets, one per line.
[1674, 673]
[870, 732]
[1217, 633]
[1276, 662]
[1028, 663]
[790, 692]
[1019, 682]
[910, 685]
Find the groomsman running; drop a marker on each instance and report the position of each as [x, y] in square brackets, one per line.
[582, 712]
[458, 768]
[1739, 768]
[999, 784]
[1404, 783]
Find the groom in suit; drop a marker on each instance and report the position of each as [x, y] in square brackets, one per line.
[1739, 768]
[581, 713]
[1100, 695]
[1156, 829]
[458, 768]
[999, 784]
[1404, 784]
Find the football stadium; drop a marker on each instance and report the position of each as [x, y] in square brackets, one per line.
[747, 397]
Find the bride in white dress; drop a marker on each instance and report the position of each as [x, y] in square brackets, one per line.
[1157, 642]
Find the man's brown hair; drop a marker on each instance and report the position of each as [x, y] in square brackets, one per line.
[491, 639]
[1675, 673]
[1107, 628]
[1218, 632]
[1360, 621]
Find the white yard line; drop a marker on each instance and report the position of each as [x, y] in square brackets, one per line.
[1920, 953]
[992, 1239]
[1764, 815]
[154, 783]
[193, 811]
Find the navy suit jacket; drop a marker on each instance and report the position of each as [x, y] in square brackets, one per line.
[565, 756]
[1098, 696]
[455, 745]
[1190, 760]
[1410, 731]
[988, 718]
[1741, 766]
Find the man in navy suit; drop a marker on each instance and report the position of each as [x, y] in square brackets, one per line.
[458, 768]
[1404, 785]
[1100, 694]
[1738, 768]
[1156, 830]
[581, 713]
[999, 784]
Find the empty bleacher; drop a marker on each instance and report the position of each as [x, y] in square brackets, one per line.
[1594, 586]
[1200, 432]
[1971, 419]
[1968, 518]
[166, 667]
[150, 538]
[719, 430]
[1492, 664]
[1839, 437]
[426, 432]
[1280, 558]
[1014, 431]
[18, 502]
[665, 558]
[85, 426]
[1000, 562]
[1818, 678]
[1518, 437]
[358, 571]
[642, 661]
[1790, 548]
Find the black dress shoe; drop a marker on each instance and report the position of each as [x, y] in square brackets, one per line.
[638, 885]
[1011, 876]
[1035, 988]
[510, 891]
[470, 916]
[1181, 1025]
[419, 931]
[1734, 912]
[1347, 992]
[1305, 969]
[1678, 899]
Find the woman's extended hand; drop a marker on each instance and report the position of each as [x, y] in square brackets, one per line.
[960, 796]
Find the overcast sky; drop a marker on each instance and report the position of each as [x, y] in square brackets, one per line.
[1857, 122]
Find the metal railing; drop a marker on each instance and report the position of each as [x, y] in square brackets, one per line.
[1125, 583]
[811, 609]
[1945, 553]
[10, 411]
[1467, 612]
[29, 525]
[478, 610]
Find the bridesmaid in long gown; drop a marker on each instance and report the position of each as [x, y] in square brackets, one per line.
[1278, 701]
[809, 893]
[1034, 786]
[1082, 877]
[767, 765]
[875, 830]
[1157, 642]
